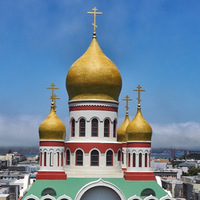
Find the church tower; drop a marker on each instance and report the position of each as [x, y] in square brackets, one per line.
[52, 136]
[138, 146]
[93, 84]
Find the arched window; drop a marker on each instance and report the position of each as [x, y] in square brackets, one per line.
[62, 159]
[48, 191]
[140, 159]
[122, 158]
[82, 128]
[119, 156]
[114, 128]
[133, 159]
[73, 128]
[79, 158]
[106, 128]
[146, 159]
[147, 192]
[68, 157]
[94, 158]
[45, 159]
[40, 158]
[94, 127]
[129, 160]
[58, 159]
[109, 158]
[51, 159]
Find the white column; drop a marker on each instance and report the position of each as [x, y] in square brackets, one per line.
[47, 159]
[137, 159]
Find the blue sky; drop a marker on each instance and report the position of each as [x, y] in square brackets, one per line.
[154, 43]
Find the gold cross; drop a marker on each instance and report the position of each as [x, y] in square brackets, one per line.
[53, 96]
[94, 13]
[139, 90]
[127, 100]
[53, 99]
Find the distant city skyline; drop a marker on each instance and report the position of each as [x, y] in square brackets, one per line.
[153, 43]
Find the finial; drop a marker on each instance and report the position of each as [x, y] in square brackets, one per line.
[139, 90]
[94, 24]
[127, 100]
[53, 96]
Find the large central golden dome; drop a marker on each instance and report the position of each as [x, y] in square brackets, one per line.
[93, 76]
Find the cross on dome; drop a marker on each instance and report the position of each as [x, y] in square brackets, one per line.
[127, 99]
[94, 13]
[53, 96]
[139, 90]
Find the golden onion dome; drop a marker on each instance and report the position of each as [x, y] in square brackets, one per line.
[121, 131]
[93, 76]
[52, 128]
[139, 129]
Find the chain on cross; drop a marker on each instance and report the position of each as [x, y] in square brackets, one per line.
[94, 13]
[139, 90]
[127, 99]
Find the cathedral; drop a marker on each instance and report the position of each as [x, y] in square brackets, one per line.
[98, 161]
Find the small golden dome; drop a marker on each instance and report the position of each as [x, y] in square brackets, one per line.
[52, 127]
[121, 131]
[139, 129]
[93, 76]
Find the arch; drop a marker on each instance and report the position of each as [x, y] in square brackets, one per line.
[94, 128]
[151, 198]
[47, 197]
[72, 127]
[109, 158]
[135, 197]
[114, 128]
[64, 197]
[79, 157]
[147, 192]
[68, 157]
[97, 183]
[106, 128]
[31, 197]
[48, 191]
[94, 158]
[82, 124]
[166, 198]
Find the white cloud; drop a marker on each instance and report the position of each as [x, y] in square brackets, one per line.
[22, 130]
[176, 135]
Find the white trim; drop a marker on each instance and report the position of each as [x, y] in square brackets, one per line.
[99, 182]
[48, 197]
[135, 197]
[31, 196]
[166, 197]
[151, 198]
[64, 197]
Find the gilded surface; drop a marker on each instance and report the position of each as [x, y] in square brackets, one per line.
[93, 76]
[52, 127]
[139, 129]
[121, 131]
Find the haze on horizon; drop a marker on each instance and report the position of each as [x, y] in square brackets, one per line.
[153, 43]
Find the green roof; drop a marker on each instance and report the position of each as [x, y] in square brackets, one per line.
[71, 187]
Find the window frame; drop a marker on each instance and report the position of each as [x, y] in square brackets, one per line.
[80, 127]
[109, 162]
[108, 131]
[81, 160]
[92, 127]
[91, 158]
[73, 122]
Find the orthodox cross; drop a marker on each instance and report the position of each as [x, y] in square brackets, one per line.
[139, 90]
[53, 99]
[53, 96]
[94, 13]
[127, 100]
